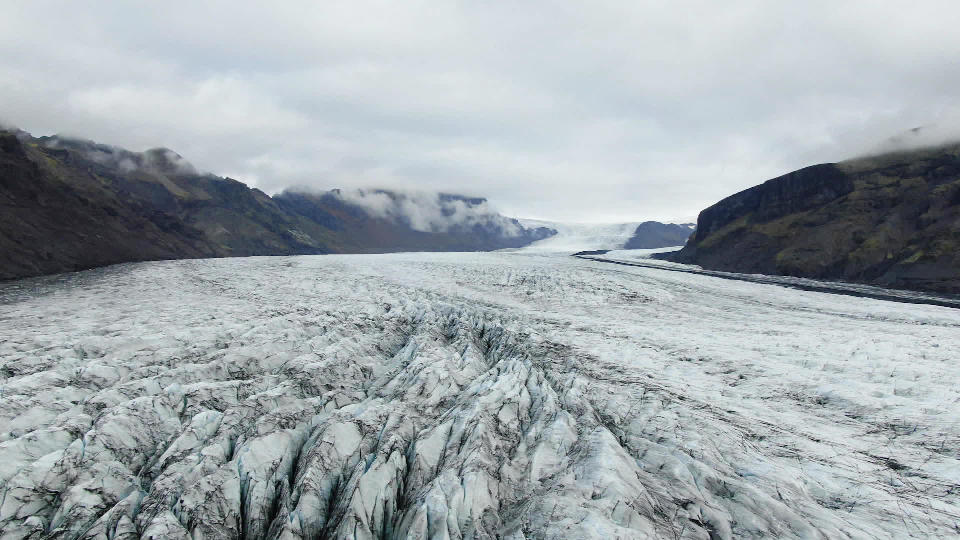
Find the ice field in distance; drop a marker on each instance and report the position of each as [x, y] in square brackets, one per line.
[573, 237]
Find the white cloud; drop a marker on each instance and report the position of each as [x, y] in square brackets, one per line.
[430, 212]
[600, 111]
[212, 107]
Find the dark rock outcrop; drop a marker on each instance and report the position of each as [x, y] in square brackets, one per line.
[891, 220]
[69, 204]
[653, 234]
[794, 192]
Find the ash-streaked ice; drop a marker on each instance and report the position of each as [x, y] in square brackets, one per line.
[500, 395]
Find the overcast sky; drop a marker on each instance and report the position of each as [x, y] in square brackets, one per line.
[592, 111]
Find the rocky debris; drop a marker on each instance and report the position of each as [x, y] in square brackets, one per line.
[484, 396]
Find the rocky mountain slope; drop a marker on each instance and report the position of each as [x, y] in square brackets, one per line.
[653, 234]
[71, 204]
[891, 220]
[441, 222]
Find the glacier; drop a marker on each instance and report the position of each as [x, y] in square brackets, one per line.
[572, 237]
[513, 395]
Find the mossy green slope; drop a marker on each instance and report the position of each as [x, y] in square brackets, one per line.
[891, 220]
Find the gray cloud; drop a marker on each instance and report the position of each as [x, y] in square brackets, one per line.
[430, 211]
[604, 111]
[154, 160]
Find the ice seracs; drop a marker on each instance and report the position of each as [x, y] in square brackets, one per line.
[503, 395]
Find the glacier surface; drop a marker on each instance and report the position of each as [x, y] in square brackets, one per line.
[512, 395]
[572, 237]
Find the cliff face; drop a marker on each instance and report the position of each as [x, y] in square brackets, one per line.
[890, 220]
[70, 204]
[794, 192]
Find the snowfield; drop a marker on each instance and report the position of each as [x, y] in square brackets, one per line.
[573, 237]
[512, 395]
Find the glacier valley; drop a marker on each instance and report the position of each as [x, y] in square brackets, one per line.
[514, 395]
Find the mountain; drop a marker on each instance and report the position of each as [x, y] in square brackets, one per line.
[653, 234]
[381, 221]
[70, 204]
[891, 220]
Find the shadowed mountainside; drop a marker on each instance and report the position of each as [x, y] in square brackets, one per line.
[363, 233]
[891, 220]
[70, 204]
[653, 234]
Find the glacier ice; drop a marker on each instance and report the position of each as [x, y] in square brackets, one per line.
[501, 395]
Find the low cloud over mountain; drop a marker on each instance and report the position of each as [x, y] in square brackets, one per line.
[72, 204]
[430, 212]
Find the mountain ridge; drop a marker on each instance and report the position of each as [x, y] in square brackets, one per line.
[653, 234]
[891, 220]
[72, 204]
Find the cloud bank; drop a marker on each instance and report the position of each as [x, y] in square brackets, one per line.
[431, 212]
[600, 111]
[158, 160]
